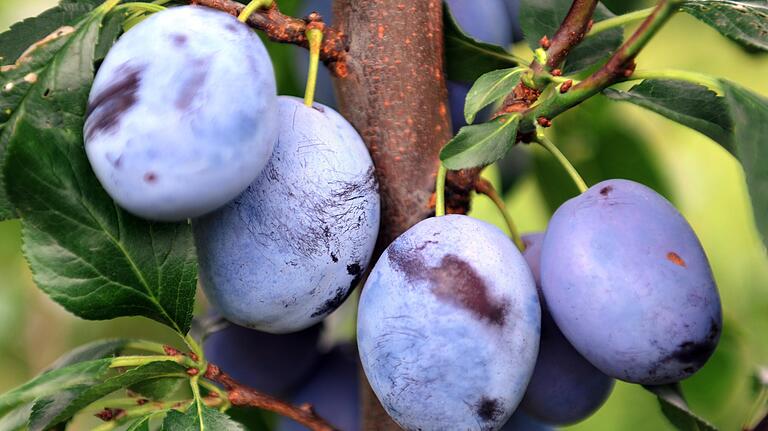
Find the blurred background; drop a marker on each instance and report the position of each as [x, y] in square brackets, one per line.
[604, 139]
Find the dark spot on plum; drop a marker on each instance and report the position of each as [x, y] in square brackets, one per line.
[489, 410]
[232, 28]
[697, 352]
[334, 258]
[318, 108]
[108, 106]
[150, 177]
[354, 269]
[454, 281]
[689, 370]
[328, 306]
[179, 39]
[194, 80]
[676, 259]
[605, 190]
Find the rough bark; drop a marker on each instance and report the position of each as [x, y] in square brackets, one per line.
[395, 95]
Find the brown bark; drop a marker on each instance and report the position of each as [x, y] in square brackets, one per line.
[395, 95]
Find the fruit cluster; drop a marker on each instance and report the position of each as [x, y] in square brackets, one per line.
[184, 123]
[456, 326]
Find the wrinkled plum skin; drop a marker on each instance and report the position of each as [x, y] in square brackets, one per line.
[267, 362]
[565, 387]
[628, 283]
[167, 133]
[290, 249]
[333, 391]
[448, 326]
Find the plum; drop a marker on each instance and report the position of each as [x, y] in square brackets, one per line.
[333, 391]
[448, 326]
[290, 249]
[565, 387]
[324, 88]
[271, 363]
[520, 422]
[167, 133]
[628, 283]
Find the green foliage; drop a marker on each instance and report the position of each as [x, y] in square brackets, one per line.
[749, 114]
[467, 58]
[25, 33]
[745, 22]
[691, 105]
[675, 408]
[543, 17]
[489, 89]
[481, 144]
[61, 406]
[199, 417]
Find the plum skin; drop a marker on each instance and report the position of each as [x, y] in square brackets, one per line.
[167, 133]
[274, 364]
[628, 283]
[290, 249]
[565, 388]
[448, 326]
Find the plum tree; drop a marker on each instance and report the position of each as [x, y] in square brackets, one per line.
[565, 388]
[628, 283]
[166, 133]
[268, 362]
[448, 326]
[290, 249]
[333, 390]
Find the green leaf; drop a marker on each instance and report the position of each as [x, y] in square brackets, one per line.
[467, 58]
[745, 22]
[25, 33]
[200, 418]
[51, 382]
[61, 406]
[141, 424]
[676, 410]
[16, 419]
[689, 104]
[158, 389]
[96, 350]
[93, 258]
[543, 17]
[759, 380]
[489, 88]
[481, 144]
[749, 114]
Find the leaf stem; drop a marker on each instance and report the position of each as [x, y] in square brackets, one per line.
[315, 38]
[222, 395]
[141, 7]
[137, 361]
[542, 139]
[618, 21]
[147, 346]
[442, 171]
[680, 75]
[252, 7]
[485, 187]
[195, 348]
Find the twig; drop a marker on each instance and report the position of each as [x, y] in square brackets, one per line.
[240, 395]
[485, 187]
[286, 29]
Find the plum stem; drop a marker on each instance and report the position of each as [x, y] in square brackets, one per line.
[619, 21]
[542, 139]
[315, 38]
[282, 28]
[442, 171]
[240, 395]
[485, 187]
[252, 7]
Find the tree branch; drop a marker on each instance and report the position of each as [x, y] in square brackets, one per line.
[286, 29]
[241, 395]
